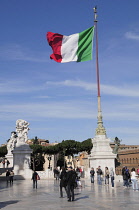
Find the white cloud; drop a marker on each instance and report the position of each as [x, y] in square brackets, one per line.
[124, 130]
[77, 109]
[17, 52]
[18, 86]
[74, 83]
[131, 35]
[67, 109]
[124, 90]
[120, 114]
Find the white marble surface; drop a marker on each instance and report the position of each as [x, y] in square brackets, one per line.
[22, 196]
[21, 161]
[101, 153]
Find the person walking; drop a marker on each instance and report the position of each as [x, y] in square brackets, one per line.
[99, 175]
[8, 163]
[34, 178]
[56, 173]
[134, 179]
[71, 178]
[112, 176]
[123, 172]
[11, 177]
[92, 174]
[106, 176]
[126, 177]
[63, 181]
[7, 176]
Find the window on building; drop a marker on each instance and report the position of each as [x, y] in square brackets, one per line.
[133, 160]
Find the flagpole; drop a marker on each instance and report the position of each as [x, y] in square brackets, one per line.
[100, 130]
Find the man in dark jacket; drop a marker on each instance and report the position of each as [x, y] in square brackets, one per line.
[123, 172]
[71, 178]
[92, 174]
[126, 177]
[63, 181]
[99, 174]
[7, 176]
[34, 178]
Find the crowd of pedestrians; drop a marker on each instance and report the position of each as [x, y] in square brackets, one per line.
[71, 178]
[129, 177]
[102, 176]
[5, 163]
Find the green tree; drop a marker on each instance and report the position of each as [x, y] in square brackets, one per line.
[86, 145]
[37, 157]
[3, 151]
[65, 148]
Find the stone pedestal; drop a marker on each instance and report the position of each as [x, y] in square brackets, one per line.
[21, 161]
[101, 153]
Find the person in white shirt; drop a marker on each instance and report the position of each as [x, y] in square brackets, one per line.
[134, 179]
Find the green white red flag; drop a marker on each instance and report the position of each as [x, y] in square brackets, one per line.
[76, 47]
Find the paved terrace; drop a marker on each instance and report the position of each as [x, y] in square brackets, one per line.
[22, 196]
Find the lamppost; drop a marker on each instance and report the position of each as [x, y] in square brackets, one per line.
[49, 159]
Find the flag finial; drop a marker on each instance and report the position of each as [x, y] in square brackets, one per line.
[95, 13]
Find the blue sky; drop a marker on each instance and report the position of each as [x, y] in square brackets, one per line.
[60, 100]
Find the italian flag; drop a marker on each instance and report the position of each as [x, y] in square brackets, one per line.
[76, 47]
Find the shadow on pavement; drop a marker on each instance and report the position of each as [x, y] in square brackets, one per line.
[77, 193]
[6, 203]
[84, 197]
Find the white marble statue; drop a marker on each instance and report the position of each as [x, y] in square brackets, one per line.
[22, 131]
[11, 143]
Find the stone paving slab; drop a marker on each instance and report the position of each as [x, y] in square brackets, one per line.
[22, 196]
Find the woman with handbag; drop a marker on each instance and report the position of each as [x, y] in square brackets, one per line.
[35, 178]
